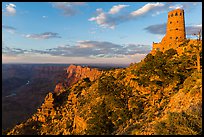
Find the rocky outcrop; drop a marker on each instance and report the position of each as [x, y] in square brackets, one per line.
[46, 109]
[59, 87]
[75, 73]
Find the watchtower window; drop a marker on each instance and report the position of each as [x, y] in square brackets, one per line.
[157, 49]
[170, 37]
[180, 14]
[176, 14]
[176, 37]
[172, 15]
[177, 21]
[176, 28]
[170, 22]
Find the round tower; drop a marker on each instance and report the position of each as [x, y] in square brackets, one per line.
[175, 30]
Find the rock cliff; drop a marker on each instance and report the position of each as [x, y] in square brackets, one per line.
[75, 73]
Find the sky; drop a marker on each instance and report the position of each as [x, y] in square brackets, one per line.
[88, 32]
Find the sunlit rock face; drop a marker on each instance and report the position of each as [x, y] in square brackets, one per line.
[78, 72]
[75, 73]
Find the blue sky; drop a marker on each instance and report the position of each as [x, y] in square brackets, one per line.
[92, 32]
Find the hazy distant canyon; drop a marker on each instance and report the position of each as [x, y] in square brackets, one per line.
[24, 86]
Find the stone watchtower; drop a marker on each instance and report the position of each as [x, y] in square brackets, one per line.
[175, 31]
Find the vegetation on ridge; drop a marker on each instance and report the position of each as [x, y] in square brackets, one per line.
[160, 95]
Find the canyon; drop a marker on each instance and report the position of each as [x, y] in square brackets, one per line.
[24, 86]
[23, 89]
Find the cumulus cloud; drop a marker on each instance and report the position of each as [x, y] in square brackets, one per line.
[12, 51]
[102, 19]
[10, 9]
[146, 8]
[9, 28]
[88, 49]
[161, 29]
[108, 49]
[45, 35]
[68, 8]
[117, 8]
[110, 19]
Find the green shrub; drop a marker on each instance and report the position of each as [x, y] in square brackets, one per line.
[179, 123]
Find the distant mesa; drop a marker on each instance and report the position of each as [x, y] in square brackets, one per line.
[82, 72]
[75, 73]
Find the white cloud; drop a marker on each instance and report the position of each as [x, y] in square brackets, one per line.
[146, 8]
[10, 9]
[110, 19]
[104, 20]
[178, 6]
[187, 6]
[45, 35]
[115, 9]
[85, 49]
[68, 8]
